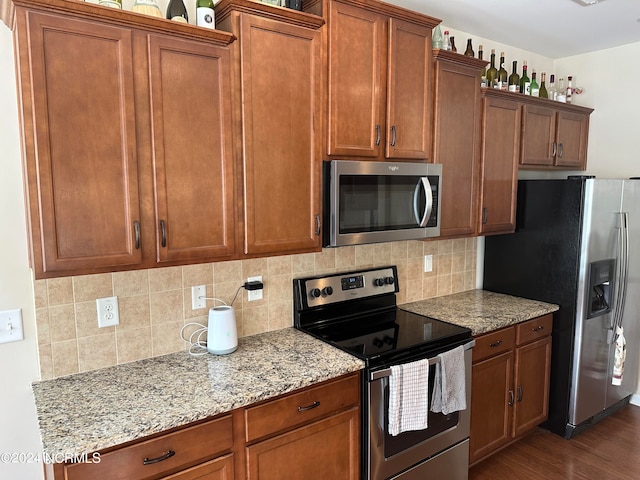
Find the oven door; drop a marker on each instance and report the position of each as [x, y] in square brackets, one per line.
[419, 454]
[368, 202]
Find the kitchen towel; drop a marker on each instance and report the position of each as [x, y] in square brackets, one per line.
[449, 385]
[408, 397]
[619, 357]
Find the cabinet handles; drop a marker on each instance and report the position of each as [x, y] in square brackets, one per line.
[151, 461]
[484, 215]
[511, 398]
[496, 344]
[560, 150]
[136, 229]
[554, 149]
[539, 328]
[317, 225]
[378, 134]
[393, 135]
[519, 393]
[309, 407]
[163, 233]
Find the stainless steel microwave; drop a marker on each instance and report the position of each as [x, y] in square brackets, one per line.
[370, 202]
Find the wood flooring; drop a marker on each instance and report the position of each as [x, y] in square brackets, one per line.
[609, 450]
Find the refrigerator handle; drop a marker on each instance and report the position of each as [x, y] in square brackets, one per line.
[622, 274]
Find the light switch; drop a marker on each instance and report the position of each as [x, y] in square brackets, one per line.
[11, 326]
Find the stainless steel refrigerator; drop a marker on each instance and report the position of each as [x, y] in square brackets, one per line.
[577, 244]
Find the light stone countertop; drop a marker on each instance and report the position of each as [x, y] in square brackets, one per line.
[480, 310]
[95, 410]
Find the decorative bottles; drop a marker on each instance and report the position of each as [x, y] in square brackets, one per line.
[562, 92]
[543, 87]
[553, 93]
[452, 44]
[436, 38]
[469, 50]
[177, 12]
[535, 89]
[147, 7]
[445, 41]
[569, 89]
[204, 14]
[525, 85]
[514, 78]
[111, 3]
[492, 73]
[483, 74]
[502, 74]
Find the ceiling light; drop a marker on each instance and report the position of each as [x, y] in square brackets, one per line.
[586, 3]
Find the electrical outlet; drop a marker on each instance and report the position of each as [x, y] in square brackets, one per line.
[11, 326]
[197, 297]
[253, 295]
[108, 314]
[428, 263]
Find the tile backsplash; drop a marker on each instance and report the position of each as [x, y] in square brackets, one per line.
[155, 304]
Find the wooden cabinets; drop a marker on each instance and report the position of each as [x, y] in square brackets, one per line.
[201, 451]
[532, 370]
[311, 434]
[379, 60]
[491, 392]
[78, 111]
[456, 139]
[510, 384]
[499, 159]
[554, 136]
[193, 170]
[527, 132]
[278, 128]
[119, 171]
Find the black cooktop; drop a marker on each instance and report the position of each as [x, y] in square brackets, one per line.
[390, 334]
[357, 312]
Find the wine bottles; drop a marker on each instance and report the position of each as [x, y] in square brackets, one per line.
[502, 74]
[483, 74]
[514, 78]
[204, 14]
[525, 85]
[452, 44]
[469, 50]
[492, 73]
[543, 87]
[569, 89]
[534, 89]
[177, 12]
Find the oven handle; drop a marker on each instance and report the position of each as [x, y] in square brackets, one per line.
[432, 361]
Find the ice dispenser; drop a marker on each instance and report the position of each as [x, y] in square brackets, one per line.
[600, 291]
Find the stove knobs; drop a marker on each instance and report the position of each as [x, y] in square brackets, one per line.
[377, 342]
[327, 291]
[315, 293]
[378, 282]
[388, 340]
[389, 280]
